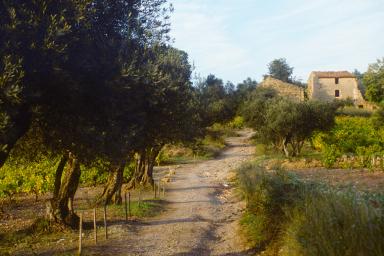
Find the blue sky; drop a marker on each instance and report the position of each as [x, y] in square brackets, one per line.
[236, 39]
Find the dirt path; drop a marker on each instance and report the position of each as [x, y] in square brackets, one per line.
[201, 217]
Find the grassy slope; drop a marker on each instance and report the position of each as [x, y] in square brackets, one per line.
[288, 216]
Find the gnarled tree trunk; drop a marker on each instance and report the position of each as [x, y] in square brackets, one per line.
[285, 147]
[138, 173]
[151, 155]
[61, 208]
[145, 161]
[112, 189]
[58, 175]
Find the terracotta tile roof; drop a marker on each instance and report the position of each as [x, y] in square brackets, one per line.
[333, 74]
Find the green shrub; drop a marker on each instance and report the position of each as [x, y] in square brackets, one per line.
[368, 154]
[330, 155]
[94, 175]
[218, 130]
[356, 136]
[237, 123]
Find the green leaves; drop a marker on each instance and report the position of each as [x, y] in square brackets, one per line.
[280, 69]
[356, 136]
[11, 78]
[22, 175]
[374, 81]
[284, 123]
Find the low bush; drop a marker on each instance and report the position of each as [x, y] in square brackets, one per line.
[288, 216]
[236, 123]
[354, 141]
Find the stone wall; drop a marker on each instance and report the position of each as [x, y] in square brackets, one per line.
[288, 90]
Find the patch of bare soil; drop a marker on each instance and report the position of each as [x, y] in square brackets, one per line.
[359, 179]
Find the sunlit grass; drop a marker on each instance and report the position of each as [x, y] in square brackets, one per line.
[288, 216]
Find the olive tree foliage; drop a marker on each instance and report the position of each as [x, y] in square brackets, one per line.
[283, 123]
[373, 80]
[56, 55]
[83, 78]
[244, 89]
[170, 110]
[280, 69]
[253, 108]
[216, 99]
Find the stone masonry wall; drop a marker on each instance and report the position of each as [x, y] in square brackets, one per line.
[288, 90]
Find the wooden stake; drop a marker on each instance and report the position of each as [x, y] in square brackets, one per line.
[154, 188]
[139, 198]
[105, 221]
[159, 189]
[163, 190]
[80, 232]
[129, 204]
[94, 225]
[126, 207]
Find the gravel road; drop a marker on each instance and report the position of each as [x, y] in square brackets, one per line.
[202, 212]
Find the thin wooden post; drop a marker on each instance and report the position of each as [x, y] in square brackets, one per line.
[126, 207]
[139, 204]
[154, 188]
[105, 221]
[164, 190]
[80, 232]
[94, 225]
[129, 204]
[159, 189]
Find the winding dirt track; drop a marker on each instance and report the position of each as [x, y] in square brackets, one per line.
[201, 216]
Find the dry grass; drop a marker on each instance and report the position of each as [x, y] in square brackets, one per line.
[290, 216]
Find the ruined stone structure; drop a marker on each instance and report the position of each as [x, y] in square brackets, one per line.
[328, 86]
[283, 89]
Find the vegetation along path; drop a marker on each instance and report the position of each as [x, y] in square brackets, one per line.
[202, 212]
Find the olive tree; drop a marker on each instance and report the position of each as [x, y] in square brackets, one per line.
[284, 123]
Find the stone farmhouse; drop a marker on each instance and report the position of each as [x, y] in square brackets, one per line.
[331, 85]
